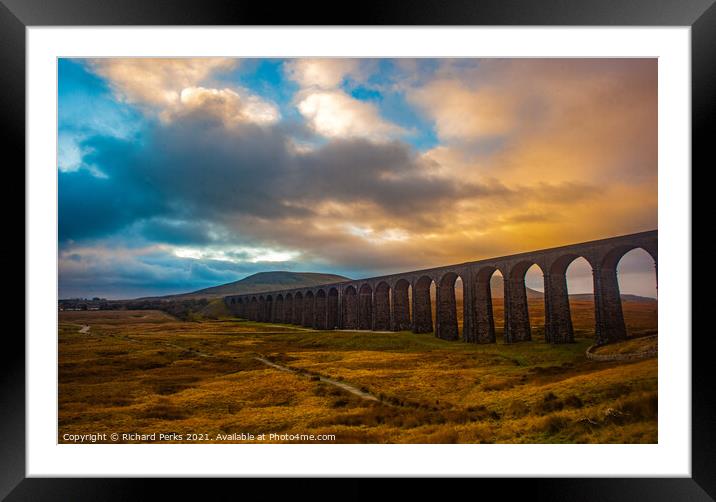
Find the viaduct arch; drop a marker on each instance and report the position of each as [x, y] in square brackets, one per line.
[402, 301]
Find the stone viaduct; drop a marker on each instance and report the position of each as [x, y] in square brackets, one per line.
[384, 303]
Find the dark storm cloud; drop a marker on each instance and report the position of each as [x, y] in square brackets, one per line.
[176, 231]
[197, 169]
[90, 206]
[388, 175]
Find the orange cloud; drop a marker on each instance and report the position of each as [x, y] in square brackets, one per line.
[157, 81]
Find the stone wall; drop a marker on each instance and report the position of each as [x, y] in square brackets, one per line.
[631, 356]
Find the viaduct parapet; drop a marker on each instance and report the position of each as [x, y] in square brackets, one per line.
[402, 301]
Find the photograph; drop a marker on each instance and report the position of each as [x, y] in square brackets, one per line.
[416, 243]
[345, 250]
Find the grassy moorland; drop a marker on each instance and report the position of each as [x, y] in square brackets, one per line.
[146, 372]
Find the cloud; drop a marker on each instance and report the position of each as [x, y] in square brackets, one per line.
[156, 81]
[176, 231]
[462, 113]
[206, 190]
[326, 106]
[228, 105]
[86, 107]
[91, 206]
[124, 272]
[546, 119]
[197, 168]
[171, 87]
[69, 153]
[334, 114]
[322, 73]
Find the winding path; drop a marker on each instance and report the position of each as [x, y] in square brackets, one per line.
[349, 388]
[344, 386]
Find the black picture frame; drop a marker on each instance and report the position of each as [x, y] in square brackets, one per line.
[700, 15]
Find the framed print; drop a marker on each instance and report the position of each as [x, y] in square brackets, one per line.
[425, 244]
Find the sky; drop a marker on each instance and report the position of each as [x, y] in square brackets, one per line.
[181, 174]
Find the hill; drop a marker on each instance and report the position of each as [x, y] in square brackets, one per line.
[625, 297]
[261, 282]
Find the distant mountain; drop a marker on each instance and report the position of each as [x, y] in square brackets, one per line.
[625, 297]
[262, 282]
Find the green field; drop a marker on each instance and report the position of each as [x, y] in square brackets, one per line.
[146, 372]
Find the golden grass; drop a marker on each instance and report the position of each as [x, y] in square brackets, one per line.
[145, 372]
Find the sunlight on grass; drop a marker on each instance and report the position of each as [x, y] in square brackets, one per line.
[144, 371]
